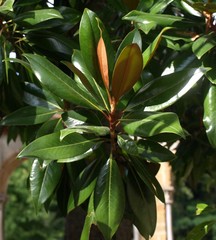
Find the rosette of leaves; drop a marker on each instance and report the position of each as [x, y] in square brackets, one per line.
[97, 143]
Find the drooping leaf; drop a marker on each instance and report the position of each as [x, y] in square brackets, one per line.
[52, 77]
[147, 124]
[109, 199]
[28, 116]
[143, 205]
[84, 185]
[43, 181]
[210, 115]
[147, 175]
[144, 149]
[50, 147]
[127, 70]
[37, 16]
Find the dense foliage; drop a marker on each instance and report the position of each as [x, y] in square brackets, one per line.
[93, 93]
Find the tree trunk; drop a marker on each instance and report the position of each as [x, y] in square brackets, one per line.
[74, 226]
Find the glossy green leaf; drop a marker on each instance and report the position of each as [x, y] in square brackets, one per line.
[151, 49]
[28, 116]
[7, 6]
[210, 115]
[97, 130]
[35, 96]
[49, 42]
[51, 126]
[149, 18]
[147, 124]
[109, 199]
[143, 205]
[204, 44]
[52, 77]
[50, 147]
[198, 232]
[89, 220]
[160, 6]
[43, 181]
[166, 90]
[80, 69]
[127, 70]
[133, 36]
[89, 35]
[24, 3]
[144, 149]
[84, 185]
[37, 16]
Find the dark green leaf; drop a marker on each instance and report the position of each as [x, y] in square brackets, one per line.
[200, 230]
[59, 83]
[50, 147]
[43, 181]
[147, 175]
[84, 185]
[109, 199]
[147, 124]
[210, 115]
[28, 116]
[89, 35]
[143, 206]
[145, 149]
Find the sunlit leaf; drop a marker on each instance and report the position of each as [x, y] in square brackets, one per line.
[148, 124]
[7, 6]
[209, 117]
[37, 16]
[203, 44]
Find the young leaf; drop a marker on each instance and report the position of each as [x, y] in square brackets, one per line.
[127, 70]
[103, 63]
[109, 199]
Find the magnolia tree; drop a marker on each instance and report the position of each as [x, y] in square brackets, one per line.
[93, 91]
